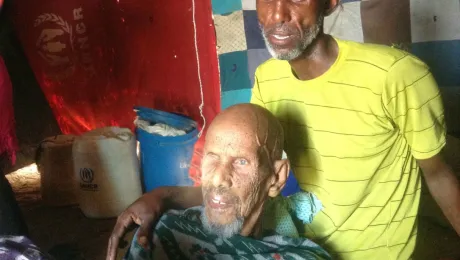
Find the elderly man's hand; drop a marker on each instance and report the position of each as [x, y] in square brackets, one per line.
[144, 212]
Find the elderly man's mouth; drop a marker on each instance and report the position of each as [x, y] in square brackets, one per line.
[219, 202]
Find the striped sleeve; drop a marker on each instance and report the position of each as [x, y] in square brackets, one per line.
[256, 97]
[412, 100]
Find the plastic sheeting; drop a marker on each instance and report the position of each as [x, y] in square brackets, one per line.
[95, 60]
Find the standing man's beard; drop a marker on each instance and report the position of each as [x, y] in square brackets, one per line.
[309, 35]
[224, 231]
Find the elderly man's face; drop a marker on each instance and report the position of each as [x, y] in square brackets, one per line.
[289, 26]
[235, 178]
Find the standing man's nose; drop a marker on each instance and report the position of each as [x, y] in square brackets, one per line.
[281, 12]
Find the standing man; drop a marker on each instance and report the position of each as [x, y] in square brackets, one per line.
[361, 123]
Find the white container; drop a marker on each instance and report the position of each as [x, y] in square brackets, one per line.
[55, 164]
[107, 171]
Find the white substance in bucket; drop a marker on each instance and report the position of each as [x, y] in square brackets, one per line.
[158, 129]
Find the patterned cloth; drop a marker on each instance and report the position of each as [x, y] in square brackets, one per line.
[20, 248]
[281, 214]
[180, 235]
[430, 25]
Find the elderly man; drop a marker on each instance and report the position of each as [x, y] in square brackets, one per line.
[361, 122]
[243, 213]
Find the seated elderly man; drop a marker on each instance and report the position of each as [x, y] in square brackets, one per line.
[243, 215]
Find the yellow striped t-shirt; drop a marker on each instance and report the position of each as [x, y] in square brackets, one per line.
[353, 136]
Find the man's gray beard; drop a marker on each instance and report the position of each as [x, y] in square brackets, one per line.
[223, 231]
[309, 36]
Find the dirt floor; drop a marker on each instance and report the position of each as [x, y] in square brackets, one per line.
[82, 238]
[76, 237]
[65, 227]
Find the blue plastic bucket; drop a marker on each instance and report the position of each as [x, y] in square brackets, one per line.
[165, 160]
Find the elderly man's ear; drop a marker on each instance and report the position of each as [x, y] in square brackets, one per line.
[281, 168]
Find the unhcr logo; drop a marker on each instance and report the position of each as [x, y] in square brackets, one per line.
[86, 175]
[55, 43]
[87, 178]
[64, 45]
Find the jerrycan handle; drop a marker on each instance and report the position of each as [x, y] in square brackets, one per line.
[125, 136]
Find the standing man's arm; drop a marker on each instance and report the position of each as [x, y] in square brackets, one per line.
[413, 102]
[444, 186]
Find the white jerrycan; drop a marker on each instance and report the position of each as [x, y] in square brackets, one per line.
[106, 171]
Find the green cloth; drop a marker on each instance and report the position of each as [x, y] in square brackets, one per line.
[180, 235]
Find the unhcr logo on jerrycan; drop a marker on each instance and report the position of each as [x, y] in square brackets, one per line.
[86, 180]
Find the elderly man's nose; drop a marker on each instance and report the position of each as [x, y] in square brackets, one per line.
[281, 12]
[221, 177]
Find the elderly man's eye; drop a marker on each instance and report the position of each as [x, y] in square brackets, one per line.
[242, 162]
[212, 156]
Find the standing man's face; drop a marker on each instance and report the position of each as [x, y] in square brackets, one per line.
[289, 26]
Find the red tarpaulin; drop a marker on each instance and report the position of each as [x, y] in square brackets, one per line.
[96, 59]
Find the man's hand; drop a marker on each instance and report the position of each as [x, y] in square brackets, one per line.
[444, 186]
[144, 212]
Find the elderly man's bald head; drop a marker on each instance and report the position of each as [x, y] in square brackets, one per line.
[241, 168]
[259, 125]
